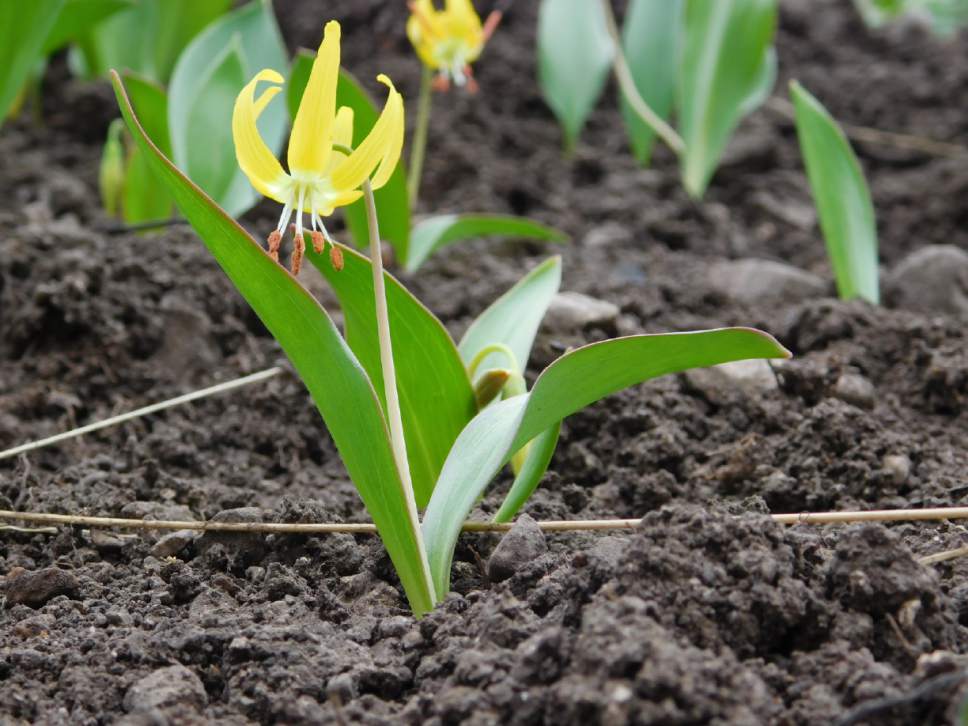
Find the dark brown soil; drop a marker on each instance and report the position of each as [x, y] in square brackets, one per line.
[709, 613]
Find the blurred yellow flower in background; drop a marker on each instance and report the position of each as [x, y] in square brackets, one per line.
[449, 40]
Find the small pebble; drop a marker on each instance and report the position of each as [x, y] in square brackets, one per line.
[856, 390]
[36, 588]
[523, 543]
[571, 311]
[164, 688]
[173, 543]
[897, 468]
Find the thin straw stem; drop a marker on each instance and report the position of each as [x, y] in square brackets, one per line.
[143, 411]
[395, 420]
[623, 75]
[567, 525]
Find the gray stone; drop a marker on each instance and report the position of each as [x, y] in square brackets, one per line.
[933, 279]
[174, 542]
[156, 511]
[250, 545]
[856, 390]
[34, 588]
[164, 688]
[572, 311]
[718, 383]
[609, 234]
[897, 468]
[524, 542]
[757, 281]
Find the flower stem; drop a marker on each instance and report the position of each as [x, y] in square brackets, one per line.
[625, 81]
[395, 420]
[420, 136]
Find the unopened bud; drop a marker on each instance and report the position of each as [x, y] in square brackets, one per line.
[111, 172]
[489, 385]
[336, 257]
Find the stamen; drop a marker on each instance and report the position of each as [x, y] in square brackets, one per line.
[441, 82]
[336, 257]
[284, 217]
[472, 86]
[299, 242]
[275, 239]
[490, 25]
[319, 242]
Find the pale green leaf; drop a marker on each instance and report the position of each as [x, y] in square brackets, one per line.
[144, 198]
[843, 200]
[24, 24]
[571, 383]
[575, 54]
[540, 451]
[336, 381]
[725, 66]
[78, 17]
[651, 39]
[432, 233]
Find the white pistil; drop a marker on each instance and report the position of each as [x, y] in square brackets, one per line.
[299, 212]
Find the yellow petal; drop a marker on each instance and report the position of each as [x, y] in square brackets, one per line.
[326, 207]
[381, 146]
[312, 131]
[255, 158]
[343, 128]
[462, 13]
[425, 29]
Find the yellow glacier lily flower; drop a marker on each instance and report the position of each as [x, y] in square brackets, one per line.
[325, 171]
[449, 40]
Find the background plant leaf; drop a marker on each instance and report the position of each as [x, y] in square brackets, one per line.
[392, 201]
[77, 18]
[432, 233]
[436, 399]
[261, 46]
[513, 319]
[23, 28]
[575, 54]
[725, 59]
[843, 200]
[536, 463]
[571, 383]
[651, 40]
[336, 381]
[143, 198]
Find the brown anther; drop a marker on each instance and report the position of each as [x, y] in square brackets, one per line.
[319, 242]
[336, 257]
[441, 83]
[472, 86]
[274, 240]
[298, 251]
[490, 25]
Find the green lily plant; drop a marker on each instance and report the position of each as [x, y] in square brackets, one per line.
[420, 423]
[709, 63]
[945, 17]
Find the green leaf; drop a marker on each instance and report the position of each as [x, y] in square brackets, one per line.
[24, 24]
[841, 195]
[146, 37]
[392, 202]
[430, 234]
[513, 319]
[536, 463]
[336, 381]
[571, 383]
[210, 160]
[436, 399]
[725, 65]
[261, 47]
[574, 56]
[78, 17]
[144, 198]
[651, 39]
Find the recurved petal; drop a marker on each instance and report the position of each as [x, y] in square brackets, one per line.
[312, 131]
[462, 12]
[326, 206]
[343, 127]
[255, 158]
[380, 147]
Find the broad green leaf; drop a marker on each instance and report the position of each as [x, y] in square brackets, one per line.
[78, 17]
[841, 195]
[146, 37]
[336, 381]
[535, 465]
[651, 36]
[574, 56]
[571, 383]
[436, 399]
[261, 47]
[145, 198]
[513, 319]
[429, 235]
[392, 202]
[24, 24]
[210, 160]
[723, 71]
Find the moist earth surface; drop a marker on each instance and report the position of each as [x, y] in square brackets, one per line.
[707, 612]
